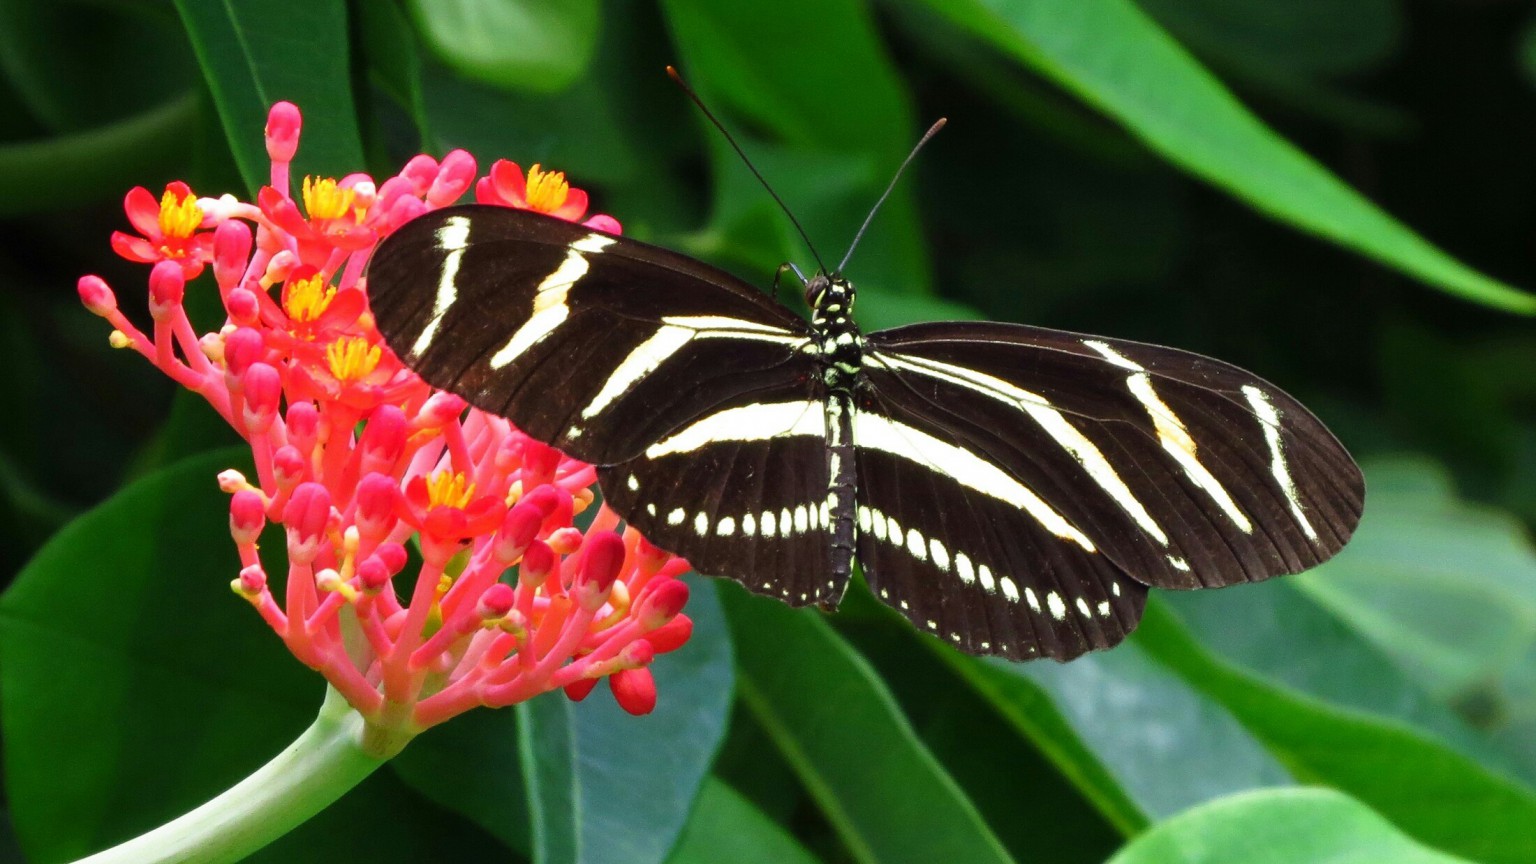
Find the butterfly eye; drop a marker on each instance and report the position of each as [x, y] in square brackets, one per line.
[816, 290]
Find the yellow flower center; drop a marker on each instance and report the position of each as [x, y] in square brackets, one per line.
[308, 298]
[446, 489]
[324, 199]
[179, 217]
[547, 190]
[351, 358]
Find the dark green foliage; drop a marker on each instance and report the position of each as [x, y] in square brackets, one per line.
[1336, 194]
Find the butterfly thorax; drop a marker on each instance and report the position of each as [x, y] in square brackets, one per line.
[839, 342]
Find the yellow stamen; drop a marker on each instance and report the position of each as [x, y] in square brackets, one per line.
[446, 489]
[179, 217]
[324, 199]
[308, 298]
[546, 190]
[118, 339]
[351, 358]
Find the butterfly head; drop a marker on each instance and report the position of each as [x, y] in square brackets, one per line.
[829, 297]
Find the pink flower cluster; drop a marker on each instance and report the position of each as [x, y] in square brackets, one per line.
[355, 456]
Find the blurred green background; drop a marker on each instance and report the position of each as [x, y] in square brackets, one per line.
[1336, 194]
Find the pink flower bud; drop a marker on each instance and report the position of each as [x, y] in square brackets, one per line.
[392, 555]
[307, 516]
[383, 439]
[242, 348]
[602, 222]
[566, 540]
[378, 497]
[263, 388]
[372, 574]
[671, 635]
[578, 690]
[661, 604]
[303, 425]
[600, 565]
[252, 580]
[283, 124]
[518, 528]
[167, 288]
[97, 297]
[441, 409]
[421, 171]
[231, 252]
[288, 466]
[282, 265]
[634, 690]
[496, 602]
[454, 175]
[247, 516]
[637, 654]
[243, 306]
[539, 462]
[538, 562]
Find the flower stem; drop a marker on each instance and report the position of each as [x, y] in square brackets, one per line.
[315, 770]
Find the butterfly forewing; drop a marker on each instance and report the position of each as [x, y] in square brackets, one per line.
[1184, 471]
[561, 328]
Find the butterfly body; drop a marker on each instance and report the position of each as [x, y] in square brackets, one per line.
[1012, 490]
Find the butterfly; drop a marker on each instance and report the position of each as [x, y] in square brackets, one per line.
[1012, 490]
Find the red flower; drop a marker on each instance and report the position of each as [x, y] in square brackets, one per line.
[354, 454]
[169, 229]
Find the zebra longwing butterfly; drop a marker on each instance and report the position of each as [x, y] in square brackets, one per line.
[1012, 490]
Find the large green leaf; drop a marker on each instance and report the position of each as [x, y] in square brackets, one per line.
[1447, 589]
[257, 54]
[1427, 785]
[726, 827]
[135, 684]
[512, 44]
[1140, 743]
[883, 792]
[1114, 57]
[1279, 826]
[594, 773]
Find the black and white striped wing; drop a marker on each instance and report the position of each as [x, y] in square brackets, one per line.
[1078, 469]
[691, 388]
[558, 327]
[741, 492]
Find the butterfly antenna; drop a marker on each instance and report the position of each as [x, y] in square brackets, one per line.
[678, 79]
[932, 130]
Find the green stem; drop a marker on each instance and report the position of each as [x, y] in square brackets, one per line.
[315, 770]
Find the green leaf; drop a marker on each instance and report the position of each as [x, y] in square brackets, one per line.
[55, 55]
[1306, 37]
[83, 167]
[135, 685]
[256, 54]
[595, 775]
[883, 792]
[469, 766]
[1445, 588]
[511, 44]
[1136, 740]
[727, 827]
[1279, 826]
[835, 97]
[1427, 786]
[1114, 57]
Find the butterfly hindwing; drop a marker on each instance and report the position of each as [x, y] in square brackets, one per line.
[971, 568]
[740, 493]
